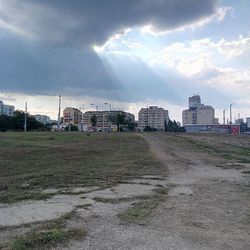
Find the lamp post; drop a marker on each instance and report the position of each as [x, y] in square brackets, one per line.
[96, 106]
[59, 114]
[92, 104]
[25, 118]
[147, 117]
[109, 115]
[231, 112]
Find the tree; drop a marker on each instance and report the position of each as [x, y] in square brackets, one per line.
[93, 120]
[6, 123]
[172, 126]
[72, 128]
[17, 122]
[118, 118]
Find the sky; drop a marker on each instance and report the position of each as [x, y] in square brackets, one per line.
[129, 54]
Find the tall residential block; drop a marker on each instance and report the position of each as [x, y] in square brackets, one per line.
[6, 109]
[72, 116]
[194, 101]
[44, 119]
[153, 117]
[198, 113]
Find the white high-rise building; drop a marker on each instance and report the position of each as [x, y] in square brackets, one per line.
[44, 119]
[153, 117]
[198, 113]
[194, 101]
[205, 115]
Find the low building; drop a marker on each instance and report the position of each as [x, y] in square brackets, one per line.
[212, 128]
[153, 117]
[6, 109]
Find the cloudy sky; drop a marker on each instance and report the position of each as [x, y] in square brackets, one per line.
[129, 53]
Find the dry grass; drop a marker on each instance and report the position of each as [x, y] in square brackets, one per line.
[33, 161]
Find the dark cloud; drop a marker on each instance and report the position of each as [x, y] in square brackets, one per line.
[85, 22]
[55, 55]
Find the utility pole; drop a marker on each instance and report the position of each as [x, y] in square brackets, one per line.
[224, 118]
[69, 122]
[25, 118]
[109, 115]
[147, 116]
[59, 114]
[231, 112]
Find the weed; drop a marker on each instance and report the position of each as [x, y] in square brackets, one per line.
[86, 206]
[46, 238]
[110, 200]
[138, 211]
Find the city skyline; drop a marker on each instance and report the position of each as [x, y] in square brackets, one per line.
[162, 53]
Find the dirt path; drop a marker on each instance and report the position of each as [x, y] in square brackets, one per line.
[212, 211]
[207, 207]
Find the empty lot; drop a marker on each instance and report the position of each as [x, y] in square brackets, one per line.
[124, 191]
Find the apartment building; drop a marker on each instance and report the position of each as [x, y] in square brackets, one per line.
[198, 113]
[44, 119]
[72, 116]
[153, 117]
[104, 121]
[6, 109]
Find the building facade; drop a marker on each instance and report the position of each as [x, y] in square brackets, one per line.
[198, 113]
[6, 109]
[248, 122]
[104, 119]
[72, 116]
[213, 128]
[153, 117]
[44, 119]
[194, 101]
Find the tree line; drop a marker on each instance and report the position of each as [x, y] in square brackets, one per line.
[16, 122]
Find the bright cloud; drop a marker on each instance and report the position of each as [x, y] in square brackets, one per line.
[218, 16]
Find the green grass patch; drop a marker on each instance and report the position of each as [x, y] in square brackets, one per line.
[227, 151]
[46, 238]
[46, 235]
[139, 211]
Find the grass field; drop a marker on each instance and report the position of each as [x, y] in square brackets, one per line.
[35, 161]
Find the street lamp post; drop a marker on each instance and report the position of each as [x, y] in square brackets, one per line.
[59, 114]
[25, 118]
[109, 115]
[96, 106]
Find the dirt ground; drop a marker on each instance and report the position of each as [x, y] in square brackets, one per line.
[207, 204]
